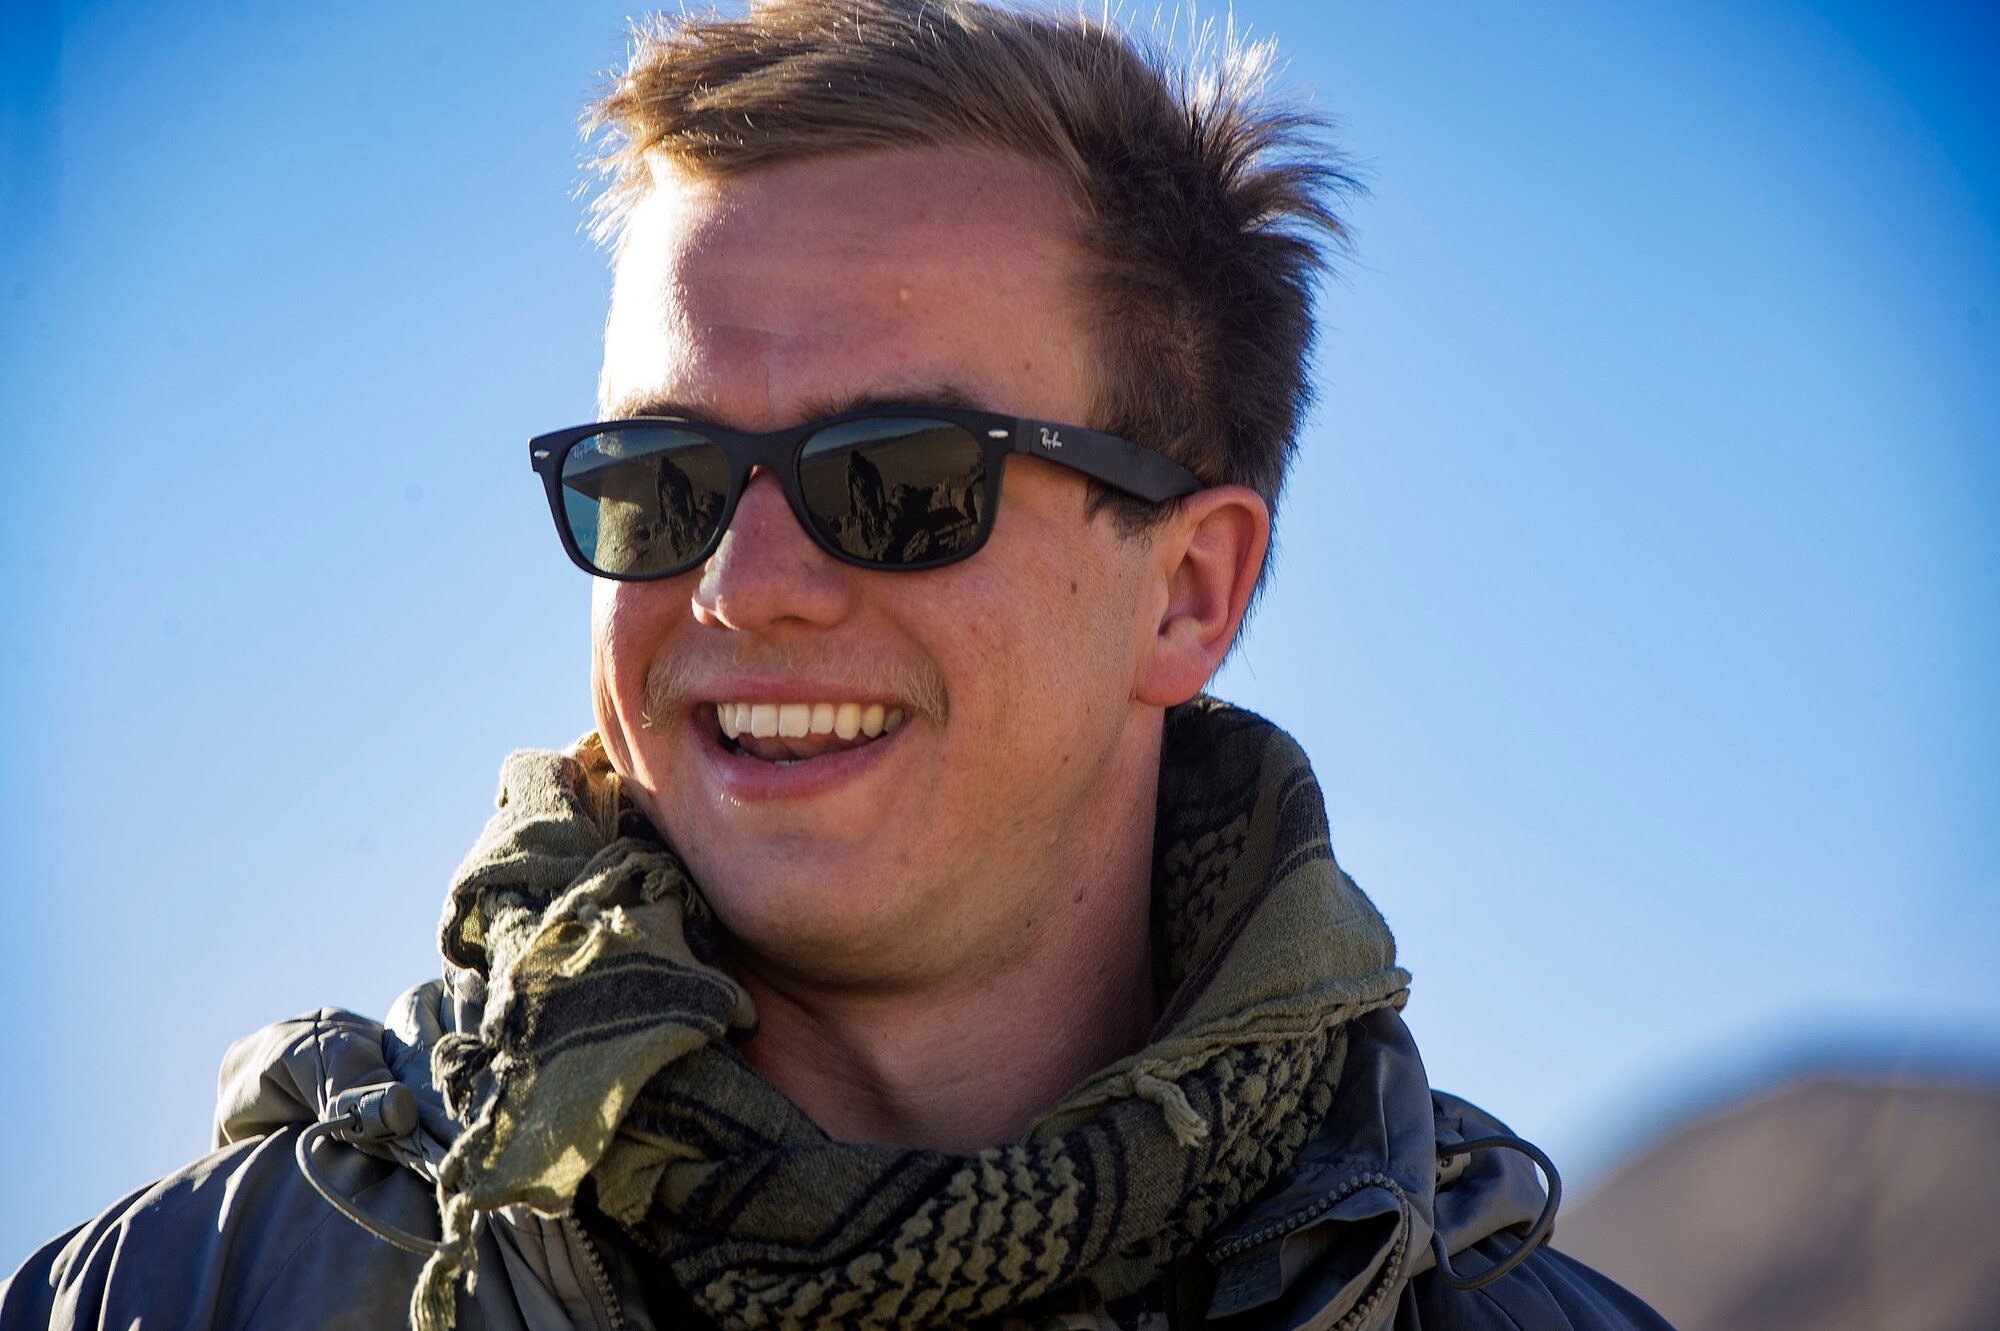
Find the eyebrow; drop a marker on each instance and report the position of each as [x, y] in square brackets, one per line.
[816, 408]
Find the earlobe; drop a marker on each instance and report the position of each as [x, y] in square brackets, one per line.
[1210, 554]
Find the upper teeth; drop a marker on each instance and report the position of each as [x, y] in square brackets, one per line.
[795, 720]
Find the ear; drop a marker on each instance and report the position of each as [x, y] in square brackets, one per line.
[1209, 554]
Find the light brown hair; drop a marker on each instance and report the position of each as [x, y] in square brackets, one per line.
[1205, 210]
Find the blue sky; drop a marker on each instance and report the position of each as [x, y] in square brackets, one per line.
[1636, 596]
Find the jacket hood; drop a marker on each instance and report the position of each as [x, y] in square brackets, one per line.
[1354, 1219]
[289, 1073]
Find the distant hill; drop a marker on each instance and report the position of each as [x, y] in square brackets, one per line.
[1831, 1203]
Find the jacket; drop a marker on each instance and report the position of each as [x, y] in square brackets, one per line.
[241, 1240]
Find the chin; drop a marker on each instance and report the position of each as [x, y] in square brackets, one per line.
[821, 930]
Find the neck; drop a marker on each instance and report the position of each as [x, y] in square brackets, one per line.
[967, 1060]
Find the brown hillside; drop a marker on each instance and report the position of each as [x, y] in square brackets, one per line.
[1832, 1204]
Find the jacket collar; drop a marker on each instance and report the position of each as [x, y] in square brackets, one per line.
[1352, 1221]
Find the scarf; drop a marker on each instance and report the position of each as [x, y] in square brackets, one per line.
[607, 1051]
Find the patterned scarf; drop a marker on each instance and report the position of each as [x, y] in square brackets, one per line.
[605, 1052]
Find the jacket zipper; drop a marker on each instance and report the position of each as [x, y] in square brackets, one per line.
[1287, 1223]
[1386, 1281]
[595, 1264]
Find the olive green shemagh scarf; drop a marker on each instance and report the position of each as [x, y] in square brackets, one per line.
[605, 1051]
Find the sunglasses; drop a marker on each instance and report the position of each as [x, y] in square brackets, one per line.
[885, 488]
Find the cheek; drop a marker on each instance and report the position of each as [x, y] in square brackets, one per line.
[628, 622]
[1041, 655]
[609, 640]
[602, 672]
[626, 629]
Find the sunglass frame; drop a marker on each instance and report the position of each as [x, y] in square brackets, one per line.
[1119, 463]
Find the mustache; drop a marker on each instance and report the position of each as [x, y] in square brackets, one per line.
[674, 681]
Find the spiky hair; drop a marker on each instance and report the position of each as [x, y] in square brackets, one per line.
[1205, 208]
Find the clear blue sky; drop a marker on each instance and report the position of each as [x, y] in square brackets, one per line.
[1636, 600]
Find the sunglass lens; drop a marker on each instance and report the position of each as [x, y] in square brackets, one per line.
[645, 499]
[900, 491]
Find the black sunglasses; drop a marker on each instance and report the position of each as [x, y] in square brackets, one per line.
[887, 488]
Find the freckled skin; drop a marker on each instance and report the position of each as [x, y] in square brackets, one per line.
[950, 931]
[755, 299]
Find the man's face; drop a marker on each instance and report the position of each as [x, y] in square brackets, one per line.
[934, 850]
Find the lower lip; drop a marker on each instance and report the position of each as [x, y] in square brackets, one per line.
[746, 780]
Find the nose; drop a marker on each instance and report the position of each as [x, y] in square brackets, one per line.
[767, 572]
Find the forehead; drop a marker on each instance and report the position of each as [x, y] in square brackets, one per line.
[752, 299]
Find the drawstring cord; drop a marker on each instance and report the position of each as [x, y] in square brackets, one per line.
[383, 1113]
[386, 1113]
[1543, 1223]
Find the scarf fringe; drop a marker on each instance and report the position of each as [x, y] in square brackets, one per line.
[434, 1302]
[604, 925]
[1189, 1128]
[569, 911]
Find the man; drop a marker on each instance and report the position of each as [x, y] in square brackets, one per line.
[911, 945]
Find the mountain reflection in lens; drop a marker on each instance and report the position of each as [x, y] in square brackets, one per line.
[642, 500]
[894, 490]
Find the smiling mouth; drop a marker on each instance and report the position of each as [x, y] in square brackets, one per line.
[795, 732]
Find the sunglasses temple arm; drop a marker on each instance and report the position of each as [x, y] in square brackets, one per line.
[1152, 476]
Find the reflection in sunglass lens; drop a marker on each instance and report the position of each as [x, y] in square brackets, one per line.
[894, 490]
[643, 499]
